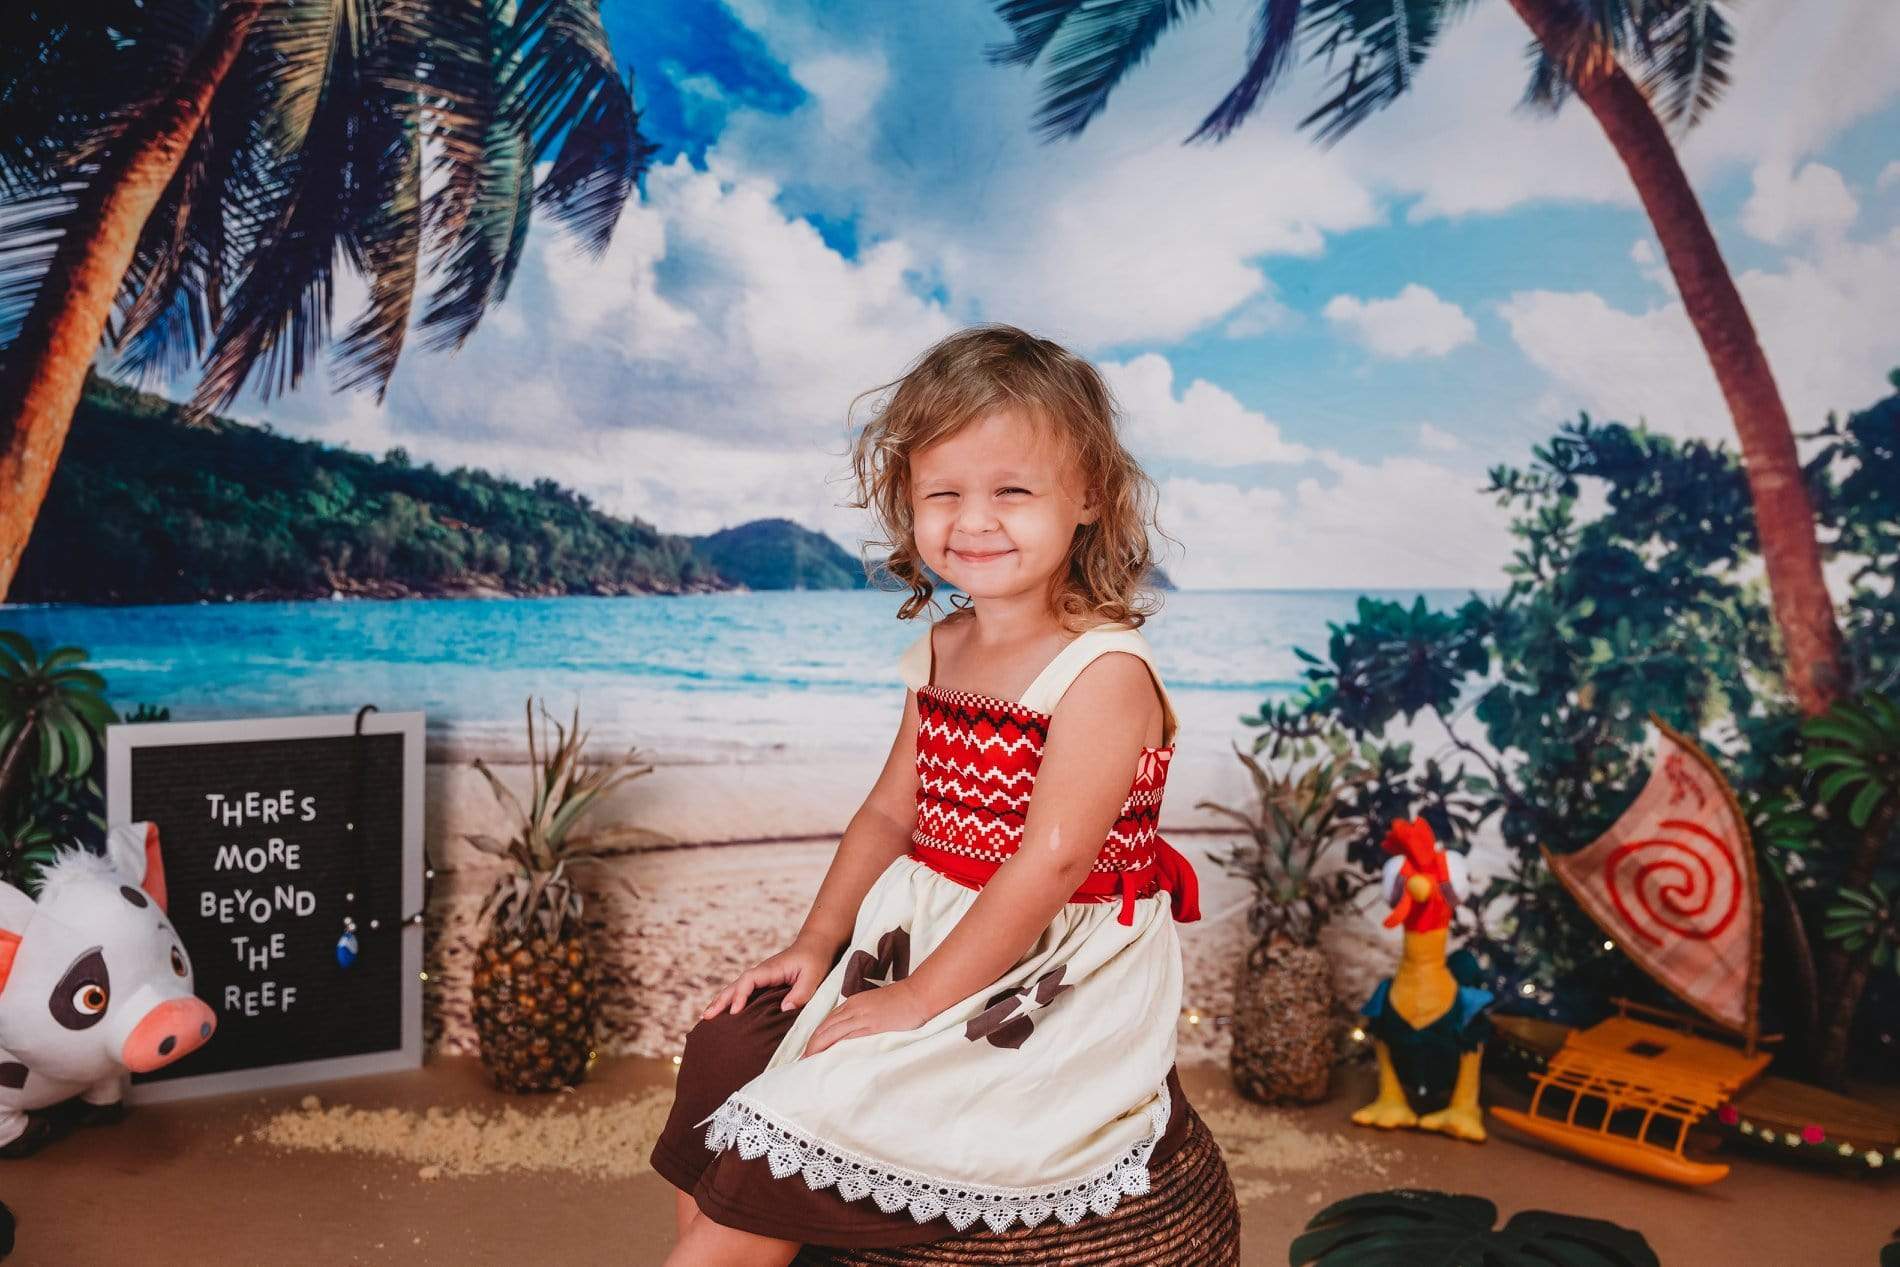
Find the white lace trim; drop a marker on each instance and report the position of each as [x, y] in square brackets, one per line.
[788, 1151]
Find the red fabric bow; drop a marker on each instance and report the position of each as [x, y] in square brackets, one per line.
[1170, 871]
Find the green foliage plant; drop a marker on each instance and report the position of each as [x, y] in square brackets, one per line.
[1634, 587]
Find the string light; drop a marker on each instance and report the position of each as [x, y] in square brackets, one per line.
[1194, 1014]
[1358, 1035]
[1609, 945]
[1814, 1136]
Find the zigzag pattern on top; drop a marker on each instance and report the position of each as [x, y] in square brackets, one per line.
[977, 758]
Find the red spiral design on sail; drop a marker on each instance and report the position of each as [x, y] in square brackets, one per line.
[1675, 883]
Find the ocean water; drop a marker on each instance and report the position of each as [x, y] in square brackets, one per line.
[704, 676]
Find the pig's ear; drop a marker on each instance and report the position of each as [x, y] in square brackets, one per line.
[133, 849]
[16, 911]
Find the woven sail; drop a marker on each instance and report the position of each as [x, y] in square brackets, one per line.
[1673, 882]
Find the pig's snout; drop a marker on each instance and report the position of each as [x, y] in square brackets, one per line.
[175, 1028]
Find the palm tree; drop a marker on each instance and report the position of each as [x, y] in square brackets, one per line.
[184, 181]
[1682, 49]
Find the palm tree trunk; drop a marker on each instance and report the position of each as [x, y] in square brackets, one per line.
[1830, 1064]
[1784, 515]
[46, 365]
[16, 750]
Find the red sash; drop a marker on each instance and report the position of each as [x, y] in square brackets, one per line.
[1169, 870]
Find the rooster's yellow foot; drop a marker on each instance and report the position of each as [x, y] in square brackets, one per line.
[1458, 1121]
[1386, 1115]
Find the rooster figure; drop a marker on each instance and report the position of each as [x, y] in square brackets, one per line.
[1427, 1020]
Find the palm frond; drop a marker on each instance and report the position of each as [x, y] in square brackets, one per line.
[166, 297]
[66, 74]
[279, 313]
[316, 47]
[1693, 47]
[287, 224]
[1385, 42]
[1549, 87]
[383, 241]
[1090, 51]
[569, 94]
[1268, 57]
[1035, 23]
[30, 233]
[481, 258]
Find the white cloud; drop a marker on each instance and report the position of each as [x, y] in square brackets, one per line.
[1263, 314]
[847, 88]
[1415, 322]
[1889, 176]
[1619, 364]
[1786, 203]
[1120, 236]
[1123, 236]
[1205, 424]
[696, 376]
[1825, 321]
[1430, 437]
[1147, 243]
[1402, 523]
[1462, 143]
[1651, 265]
[1802, 73]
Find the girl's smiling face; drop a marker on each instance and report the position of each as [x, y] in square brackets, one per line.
[994, 507]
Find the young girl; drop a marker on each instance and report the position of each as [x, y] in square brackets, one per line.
[975, 1026]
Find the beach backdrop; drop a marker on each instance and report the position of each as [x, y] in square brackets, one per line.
[1379, 378]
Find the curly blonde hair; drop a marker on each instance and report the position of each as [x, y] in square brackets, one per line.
[965, 378]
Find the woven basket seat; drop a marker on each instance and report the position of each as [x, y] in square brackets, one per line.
[1189, 1218]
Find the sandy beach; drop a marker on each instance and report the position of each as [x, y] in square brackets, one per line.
[757, 830]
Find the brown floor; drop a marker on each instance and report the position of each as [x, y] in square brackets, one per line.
[173, 1184]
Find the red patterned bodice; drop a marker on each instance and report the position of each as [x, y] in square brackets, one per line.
[977, 758]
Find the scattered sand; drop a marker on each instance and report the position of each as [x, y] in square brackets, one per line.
[609, 1142]
[1267, 1150]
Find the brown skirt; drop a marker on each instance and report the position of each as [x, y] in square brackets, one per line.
[726, 1052]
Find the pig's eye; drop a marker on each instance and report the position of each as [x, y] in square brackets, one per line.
[178, 961]
[79, 1000]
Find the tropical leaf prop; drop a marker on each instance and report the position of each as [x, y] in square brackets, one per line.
[1421, 1228]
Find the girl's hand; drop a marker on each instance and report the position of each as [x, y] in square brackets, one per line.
[876, 1011]
[803, 964]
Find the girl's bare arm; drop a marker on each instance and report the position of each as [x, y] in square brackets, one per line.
[879, 833]
[1088, 763]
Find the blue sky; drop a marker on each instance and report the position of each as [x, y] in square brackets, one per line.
[1319, 351]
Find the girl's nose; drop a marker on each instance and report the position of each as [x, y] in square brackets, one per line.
[975, 519]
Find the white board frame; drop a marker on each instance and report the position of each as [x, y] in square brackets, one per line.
[124, 739]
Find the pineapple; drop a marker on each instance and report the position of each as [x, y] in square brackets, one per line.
[1284, 1005]
[534, 979]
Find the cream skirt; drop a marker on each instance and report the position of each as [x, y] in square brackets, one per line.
[1044, 1094]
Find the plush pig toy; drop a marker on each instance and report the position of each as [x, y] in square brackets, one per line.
[93, 982]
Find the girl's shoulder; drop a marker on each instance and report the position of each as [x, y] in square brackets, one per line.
[1047, 690]
[917, 663]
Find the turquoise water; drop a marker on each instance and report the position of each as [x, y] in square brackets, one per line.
[718, 672]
